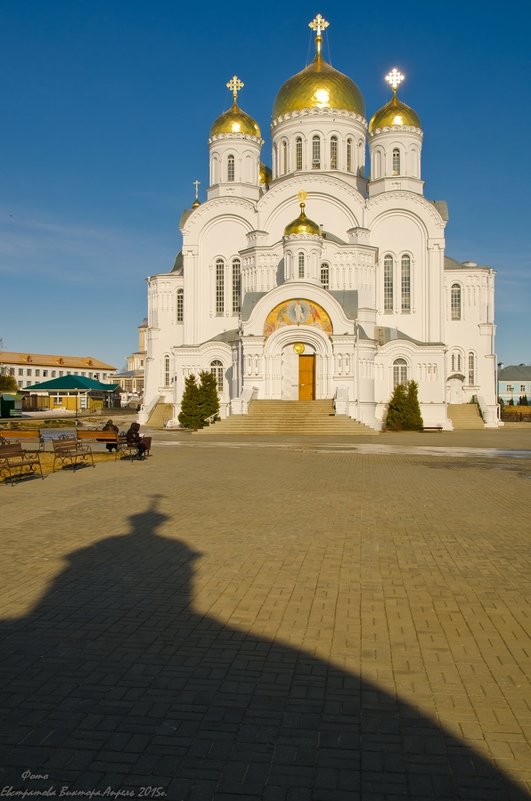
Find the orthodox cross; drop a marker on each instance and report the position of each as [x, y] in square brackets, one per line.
[302, 197]
[196, 184]
[235, 85]
[319, 24]
[394, 79]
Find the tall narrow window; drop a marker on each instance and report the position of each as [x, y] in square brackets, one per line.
[406, 283]
[180, 305]
[388, 284]
[325, 275]
[230, 168]
[316, 153]
[471, 369]
[216, 368]
[456, 362]
[333, 153]
[455, 302]
[349, 155]
[399, 372]
[166, 371]
[298, 153]
[284, 157]
[396, 161]
[301, 265]
[236, 285]
[220, 286]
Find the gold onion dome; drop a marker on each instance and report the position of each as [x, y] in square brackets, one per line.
[235, 121]
[394, 113]
[318, 85]
[264, 174]
[302, 225]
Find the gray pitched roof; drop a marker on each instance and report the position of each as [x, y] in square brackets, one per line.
[515, 372]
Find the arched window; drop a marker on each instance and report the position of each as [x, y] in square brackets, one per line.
[396, 161]
[406, 283]
[349, 155]
[471, 368]
[388, 283]
[301, 265]
[333, 153]
[399, 372]
[166, 371]
[230, 168]
[298, 153]
[220, 286]
[325, 275]
[236, 285]
[316, 153]
[284, 157]
[216, 368]
[457, 364]
[180, 305]
[455, 302]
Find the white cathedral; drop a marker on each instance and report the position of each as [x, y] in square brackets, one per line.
[313, 281]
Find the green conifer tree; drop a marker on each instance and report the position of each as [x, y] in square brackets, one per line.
[395, 410]
[208, 395]
[190, 414]
[413, 421]
[8, 383]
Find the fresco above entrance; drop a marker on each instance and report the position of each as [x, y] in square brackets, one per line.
[297, 312]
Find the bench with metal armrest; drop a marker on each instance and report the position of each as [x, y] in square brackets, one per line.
[71, 453]
[15, 462]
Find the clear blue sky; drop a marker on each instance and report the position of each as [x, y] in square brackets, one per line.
[106, 108]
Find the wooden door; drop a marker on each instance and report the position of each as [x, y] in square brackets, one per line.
[306, 377]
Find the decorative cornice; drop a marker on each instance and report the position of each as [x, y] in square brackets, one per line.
[318, 112]
[256, 139]
[290, 237]
[395, 128]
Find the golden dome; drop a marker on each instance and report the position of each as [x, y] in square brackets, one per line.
[235, 121]
[318, 86]
[302, 225]
[264, 174]
[392, 114]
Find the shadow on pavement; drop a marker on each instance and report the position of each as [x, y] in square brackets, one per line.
[114, 680]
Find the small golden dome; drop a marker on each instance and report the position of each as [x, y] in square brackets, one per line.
[264, 174]
[318, 86]
[302, 225]
[394, 113]
[235, 121]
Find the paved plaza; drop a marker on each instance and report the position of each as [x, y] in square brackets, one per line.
[285, 620]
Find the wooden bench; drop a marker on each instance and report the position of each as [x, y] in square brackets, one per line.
[432, 428]
[97, 435]
[15, 462]
[70, 453]
[22, 435]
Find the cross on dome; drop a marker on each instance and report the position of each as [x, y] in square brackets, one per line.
[196, 184]
[394, 79]
[319, 24]
[235, 85]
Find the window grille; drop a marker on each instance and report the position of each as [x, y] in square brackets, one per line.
[399, 372]
[230, 168]
[455, 302]
[316, 153]
[471, 369]
[388, 284]
[301, 265]
[349, 155]
[406, 283]
[220, 286]
[284, 157]
[396, 161]
[166, 371]
[333, 153]
[216, 368]
[236, 285]
[325, 276]
[298, 153]
[180, 305]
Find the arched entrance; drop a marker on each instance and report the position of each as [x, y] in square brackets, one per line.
[299, 365]
[454, 389]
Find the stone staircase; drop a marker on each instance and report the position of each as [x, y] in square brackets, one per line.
[160, 414]
[465, 416]
[269, 417]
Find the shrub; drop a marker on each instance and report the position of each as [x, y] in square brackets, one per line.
[190, 415]
[403, 412]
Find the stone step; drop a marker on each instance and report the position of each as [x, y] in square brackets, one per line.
[465, 416]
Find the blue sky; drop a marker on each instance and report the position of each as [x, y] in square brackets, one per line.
[106, 107]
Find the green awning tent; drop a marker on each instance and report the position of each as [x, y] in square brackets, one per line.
[71, 383]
